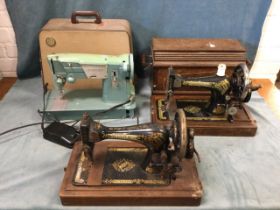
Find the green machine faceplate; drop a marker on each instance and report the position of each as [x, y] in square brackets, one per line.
[116, 73]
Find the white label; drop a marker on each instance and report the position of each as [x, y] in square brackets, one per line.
[221, 70]
[211, 45]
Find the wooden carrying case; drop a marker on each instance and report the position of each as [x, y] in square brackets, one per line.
[197, 58]
[185, 190]
[75, 35]
[193, 58]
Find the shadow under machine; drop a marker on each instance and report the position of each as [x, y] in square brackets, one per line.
[88, 74]
[208, 79]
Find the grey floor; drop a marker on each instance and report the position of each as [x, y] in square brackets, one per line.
[236, 172]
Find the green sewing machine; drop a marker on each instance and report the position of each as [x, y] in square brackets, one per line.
[101, 85]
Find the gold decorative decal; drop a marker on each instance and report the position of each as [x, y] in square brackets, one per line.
[192, 109]
[195, 109]
[50, 41]
[123, 165]
[220, 109]
[136, 181]
[208, 118]
[221, 86]
[127, 149]
[82, 170]
[161, 109]
[156, 138]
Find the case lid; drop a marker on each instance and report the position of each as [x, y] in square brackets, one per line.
[197, 52]
[62, 24]
[190, 44]
[85, 32]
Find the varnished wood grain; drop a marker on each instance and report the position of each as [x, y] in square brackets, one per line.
[270, 94]
[243, 124]
[186, 190]
[192, 58]
[5, 84]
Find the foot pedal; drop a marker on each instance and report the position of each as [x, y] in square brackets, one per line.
[62, 134]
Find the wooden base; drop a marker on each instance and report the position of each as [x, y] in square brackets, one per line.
[243, 125]
[185, 190]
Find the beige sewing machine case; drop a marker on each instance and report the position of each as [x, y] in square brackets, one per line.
[84, 32]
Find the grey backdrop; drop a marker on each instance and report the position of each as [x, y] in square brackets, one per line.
[240, 19]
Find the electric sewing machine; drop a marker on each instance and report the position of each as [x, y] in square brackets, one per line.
[111, 93]
[224, 110]
[140, 164]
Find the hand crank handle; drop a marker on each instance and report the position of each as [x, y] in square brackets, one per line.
[255, 87]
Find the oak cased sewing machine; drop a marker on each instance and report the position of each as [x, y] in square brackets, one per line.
[210, 108]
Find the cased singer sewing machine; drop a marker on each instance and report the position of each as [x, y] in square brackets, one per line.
[111, 75]
[210, 107]
[227, 94]
[224, 107]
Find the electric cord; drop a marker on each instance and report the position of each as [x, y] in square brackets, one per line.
[112, 108]
[20, 127]
[45, 89]
[77, 121]
[74, 122]
[42, 123]
[105, 111]
[29, 125]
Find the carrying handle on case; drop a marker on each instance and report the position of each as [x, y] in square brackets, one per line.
[95, 14]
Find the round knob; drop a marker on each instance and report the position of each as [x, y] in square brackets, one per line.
[70, 79]
[59, 81]
[232, 111]
[125, 66]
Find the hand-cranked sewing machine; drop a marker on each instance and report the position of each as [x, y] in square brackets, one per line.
[227, 93]
[214, 104]
[132, 164]
[221, 113]
[164, 148]
[111, 76]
